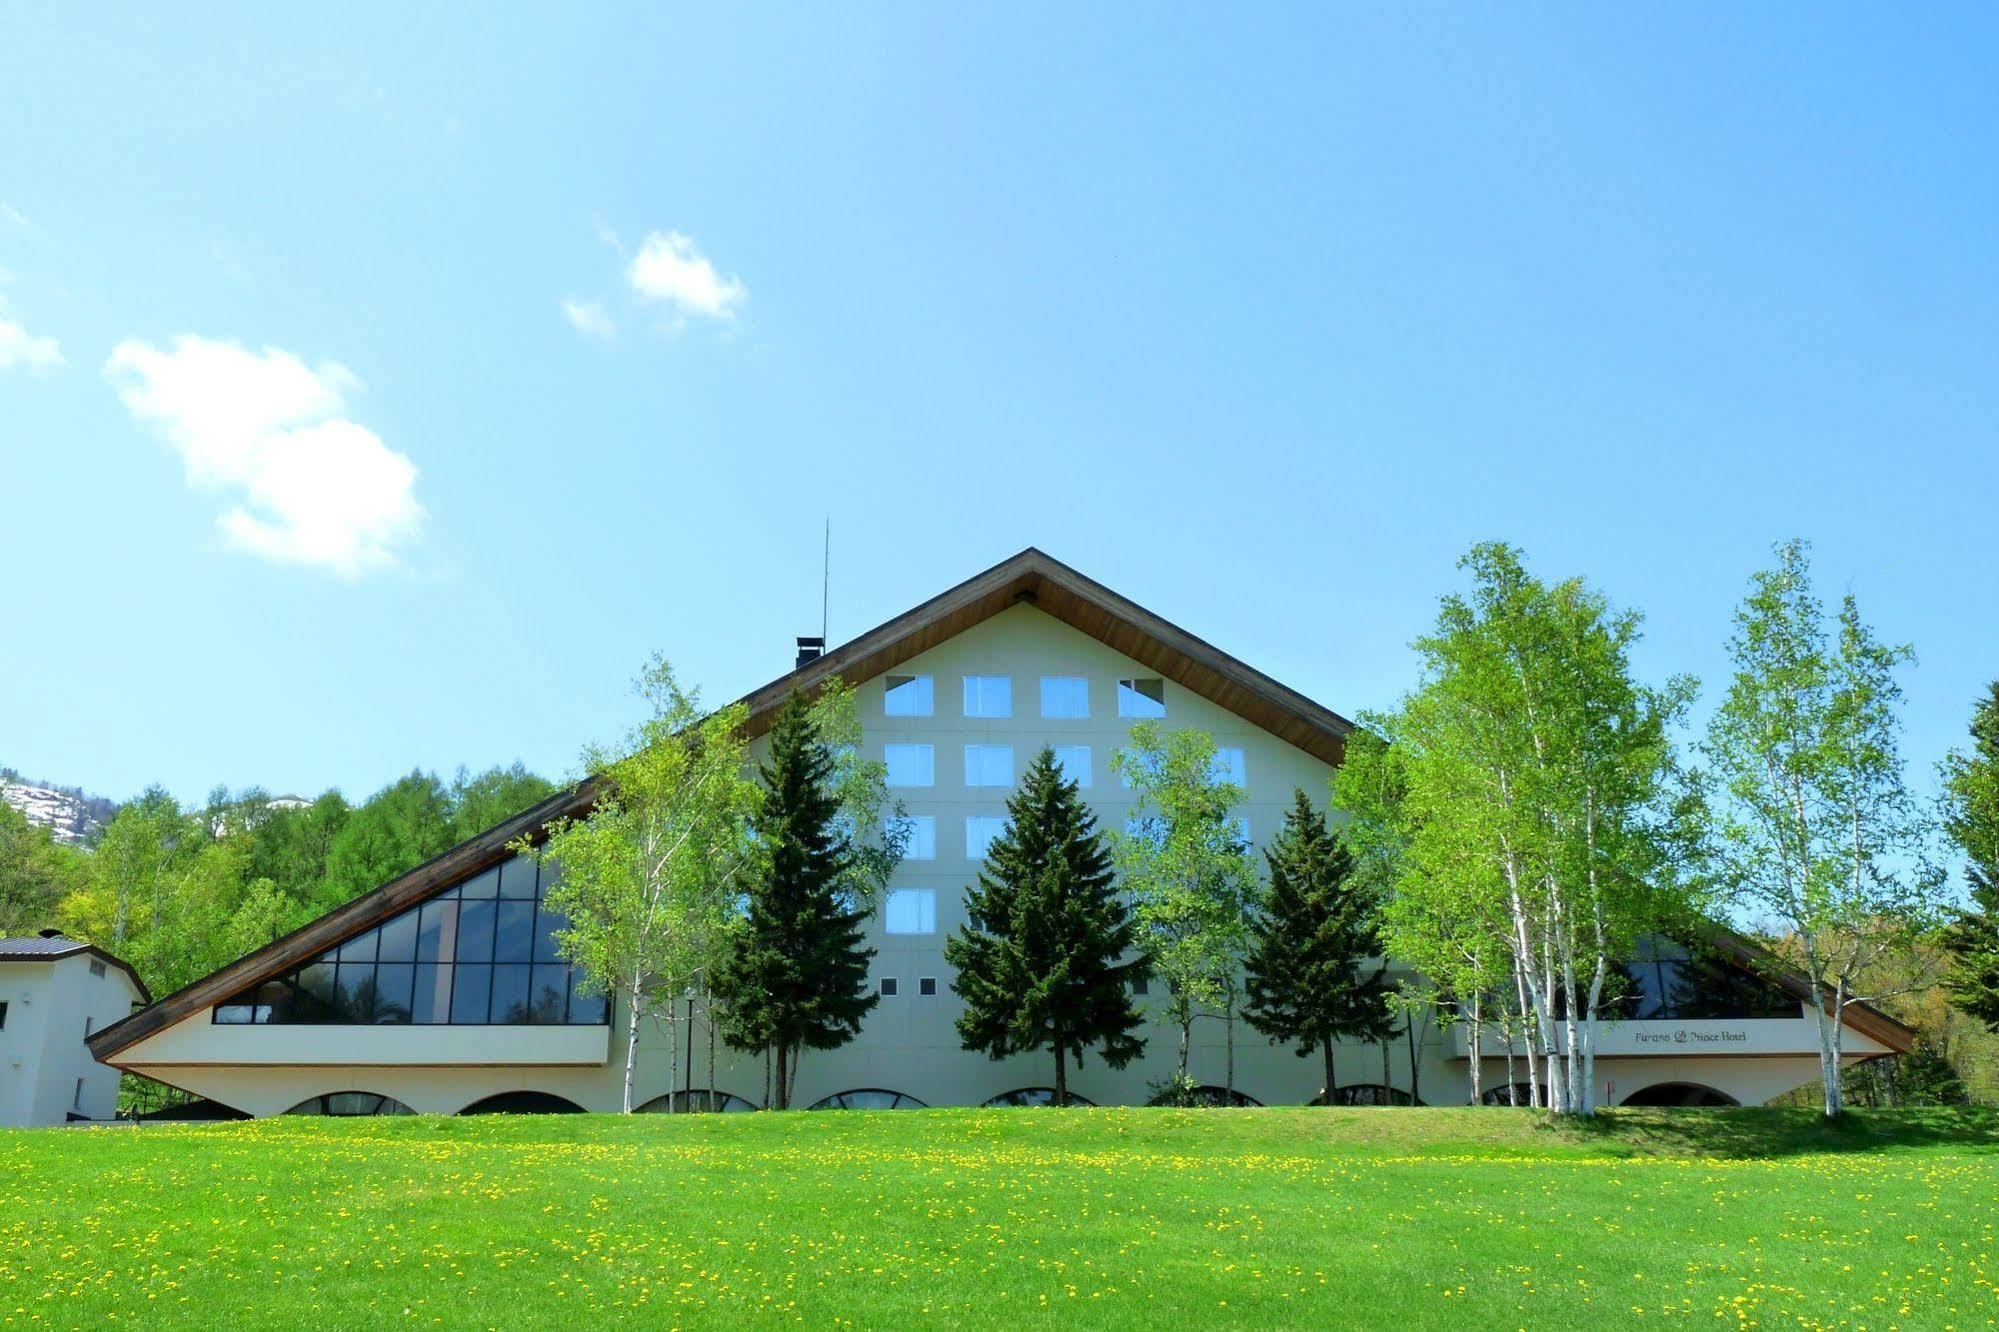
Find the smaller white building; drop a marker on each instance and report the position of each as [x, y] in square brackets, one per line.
[55, 993]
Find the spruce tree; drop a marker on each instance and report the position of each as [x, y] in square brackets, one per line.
[1040, 967]
[1314, 931]
[796, 977]
[1972, 781]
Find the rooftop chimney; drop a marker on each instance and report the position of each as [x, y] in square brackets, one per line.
[809, 649]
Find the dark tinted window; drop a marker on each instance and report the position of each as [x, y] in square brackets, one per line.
[482, 952]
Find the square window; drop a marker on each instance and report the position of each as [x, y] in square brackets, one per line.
[908, 696]
[921, 830]
[988, 696]
[1141, 986]
[1065, 696]
[888, 987]
[981, 831]
[910, 765]
[3, 1015]
[1074, 760]
[1228, 766]
[1142, 696]
[989, 765]
[97, 968]
[911, 911]
[926, 987]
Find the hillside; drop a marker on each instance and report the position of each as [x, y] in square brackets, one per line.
[71, 815]
[1001, 1218]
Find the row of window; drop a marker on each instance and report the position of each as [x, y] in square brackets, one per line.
[926, 986]
[1062, 696]
[982, 830]
[913, 764]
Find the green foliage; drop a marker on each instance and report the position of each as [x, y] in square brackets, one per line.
[1802, 815]
[1041, 967]
[479, 801]
[795, 976]
[1185, 869]
[648, 876]
[36, 873]
[1514, 804]
[1315, 929]
[399, 828]
[1971, 786]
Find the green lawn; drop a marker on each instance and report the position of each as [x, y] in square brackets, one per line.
[1140, 1218]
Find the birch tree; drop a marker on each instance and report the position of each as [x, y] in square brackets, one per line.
[649, 875]
[1520, 813]
[1191, 882]
[1804, 815]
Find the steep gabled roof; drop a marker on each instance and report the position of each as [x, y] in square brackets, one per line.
[1031, 578]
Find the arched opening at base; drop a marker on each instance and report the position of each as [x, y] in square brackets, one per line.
[697, 1101]
[1518, 1093]
[1680, 1094]
[523, 1103]
[867, 1098]
[1366, 1093]
[1208, 1097]
[350, 1105]
[1034, 1096]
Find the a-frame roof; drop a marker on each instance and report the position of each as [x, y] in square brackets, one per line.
[1031, 578]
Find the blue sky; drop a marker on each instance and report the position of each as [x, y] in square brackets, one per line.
[378, 389]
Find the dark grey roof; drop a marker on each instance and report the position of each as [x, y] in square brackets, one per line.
[50, 949]
[24, 950]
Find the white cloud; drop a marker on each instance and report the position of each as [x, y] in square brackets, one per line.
[589, 318]
[311, 486]
[25, 349]
[670, 269]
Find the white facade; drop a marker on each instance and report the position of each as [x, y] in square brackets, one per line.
[957, 725]
[50, 1002]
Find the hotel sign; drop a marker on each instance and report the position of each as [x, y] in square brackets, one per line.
[1686, 1037]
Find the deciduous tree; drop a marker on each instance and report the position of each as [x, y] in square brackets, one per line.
[647, 874]
[1804, 814]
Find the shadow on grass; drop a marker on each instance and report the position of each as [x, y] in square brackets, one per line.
[1786, 1131]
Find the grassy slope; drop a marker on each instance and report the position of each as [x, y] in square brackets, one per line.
[1102, 1217]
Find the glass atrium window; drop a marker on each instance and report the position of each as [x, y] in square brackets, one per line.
[988, 696]
[908, 696]
[1141, 697]
[1074, 760]
[989, 765]
[981, 831]
[911, 911]
[910, 765]
[482, 952]
[1065, 696]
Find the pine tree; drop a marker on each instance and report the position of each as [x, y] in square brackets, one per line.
[1040, 968]
[796, 977]
[1972, 781]
[1315, 930]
